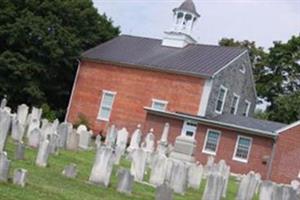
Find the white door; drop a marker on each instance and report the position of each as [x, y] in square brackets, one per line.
[189, 129]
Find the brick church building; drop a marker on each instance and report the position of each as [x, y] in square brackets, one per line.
[205, 92]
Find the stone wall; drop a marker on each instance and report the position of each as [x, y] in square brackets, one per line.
[236, 82]
[135, 89]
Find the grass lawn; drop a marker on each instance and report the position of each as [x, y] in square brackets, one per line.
[48, 183]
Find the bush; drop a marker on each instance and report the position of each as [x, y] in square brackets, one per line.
[82, 119]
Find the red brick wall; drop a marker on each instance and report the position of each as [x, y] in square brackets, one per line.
[260, 146]
[135, 89]
[286, 164]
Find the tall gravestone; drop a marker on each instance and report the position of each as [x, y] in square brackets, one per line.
[195, 173]
[34, 138]
[4, 167]
[73, 140]
[63, 130]
[164, 192]
[179, 174]
[3, 103]
[34, 119]
[85, 140]
[158, 169]
[122, 139]
[102, 167]
[214, 187]
[125, 181]
[111, 137]
[248, 186]
[135, 139]
[20, 151]
[162, 144]
[17, 129]
[138, 164]
[43, 154]
[5, 120]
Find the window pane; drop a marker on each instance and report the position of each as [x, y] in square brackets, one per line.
[108, 99]
[159, 106]
[220, 99]
[105, 113]
[243, 148]
[233, 105]
[212, 141]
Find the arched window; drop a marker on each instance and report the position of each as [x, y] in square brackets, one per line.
[179, 18]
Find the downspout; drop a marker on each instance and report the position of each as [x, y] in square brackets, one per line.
[270, 165]
[73, 90]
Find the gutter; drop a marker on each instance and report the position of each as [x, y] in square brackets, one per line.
[213, 123]
[73, 90]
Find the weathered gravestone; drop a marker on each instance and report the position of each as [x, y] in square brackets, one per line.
[122, 138]
[149, 142]
[162, 144]
[138, 164]
[214, 187]
[178, 179]
[4, 167]
[20, 177]
[84, 140]
[266, 190]
[111, 137]
[195, 173]
[98, 141]
[248, 186]
[164, 192]
[158, 169]
[224, 170]
[17, 129]
[34, 138]
[43, 154]
[81, 128]
[4, 128]
[135, 139]
[284, 192]
[70, 171]
[125, 181]
[3, 103]
[102, 167]
[73, 140]
[63, 130]
[20, 151]
[208, 166]
[22, 114]
[34, 119]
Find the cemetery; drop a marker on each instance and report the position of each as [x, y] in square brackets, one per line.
[52, 160]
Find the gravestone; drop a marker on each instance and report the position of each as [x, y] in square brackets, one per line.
[110, 140]
[169, 167]
[20, 177]
[122, 138]
[73, 140]
[34, 138]
[125, 181]
[118, 154]
[63, 130]
[214, 187]
[17, 129]
[224, 170]
[43, 154]
[34, 119]
[209, 165]
[135, 139]
[102, 167]
[22, 114]
[158, 169]
[80, 128]
[20, 151]
[178, 179]
[284, 192]
[53, 143]
[5, 120]
[84, 140]
[195, 173]
[70, 171]
[138, 164]
[164, 192]
[162, 144]
[266, 190]
[98, 141]
[248, 186]
[3, 103]
[4, 167]
[149, 142]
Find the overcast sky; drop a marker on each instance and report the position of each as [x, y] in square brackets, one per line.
[263, 21]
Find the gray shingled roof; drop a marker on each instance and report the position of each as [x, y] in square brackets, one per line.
[194, 59]
[188, 5]
[249, 122]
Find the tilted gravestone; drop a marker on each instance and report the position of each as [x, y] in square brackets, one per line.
[20, 151]
[164, 192]
[111, 137]
[248, 186]
[5, 120]
[158, 169]
[135, 139]
[70, 171]
[178, 179]
[138, 164]
[4, 167]
[102, 167]
[125, 181]
[43, 154]
[214, 187]
[20, 177]
[195, 173]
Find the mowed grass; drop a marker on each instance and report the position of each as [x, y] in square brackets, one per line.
[48, 183]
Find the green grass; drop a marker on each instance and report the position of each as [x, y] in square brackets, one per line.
[48, 183]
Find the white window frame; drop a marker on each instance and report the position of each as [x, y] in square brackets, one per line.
[104, 92]
[236, 146]
[223, 101]
[161, 102]
[236, 104]
[186, 127]
[242, 68]
[247, 109]
[205, 141]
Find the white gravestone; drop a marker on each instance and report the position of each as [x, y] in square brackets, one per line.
[85, 140]
[102, 167]
[4, 167]
[125, 181]
[179, 175]
[63, 130]
[162, 145]
[158, 169]
[5, 121]
[17, 129]
[34, 138]
[135, 139]
[122, 139]
[73, 140]
[111, 137]
[214, 187]
[20, 177]
[248, 186]
[138, 164]
[195, 173]
[43, 154]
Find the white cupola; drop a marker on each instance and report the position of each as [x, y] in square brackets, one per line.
[184, 18]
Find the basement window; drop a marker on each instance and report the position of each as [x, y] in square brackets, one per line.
[211, 142]
[106, 105]
[242, 149]
[158, 104]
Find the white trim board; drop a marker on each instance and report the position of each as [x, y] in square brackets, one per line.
[205, 97]
[297, 123]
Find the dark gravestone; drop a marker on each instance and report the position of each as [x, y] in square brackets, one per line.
[125, 181]
[20, 151]
[164, 192]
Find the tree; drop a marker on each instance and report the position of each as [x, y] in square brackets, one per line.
[40, 42]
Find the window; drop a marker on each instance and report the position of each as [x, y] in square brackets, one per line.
[234, 104]
[189, 129]
[159, 104]
[247, 108]
[221, 99]
[106, 105]
[211, 142]
[243, 68]
[242, 149]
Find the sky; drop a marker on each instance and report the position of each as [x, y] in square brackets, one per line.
[262, 21]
